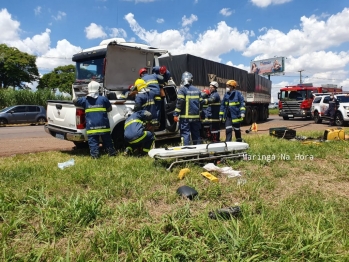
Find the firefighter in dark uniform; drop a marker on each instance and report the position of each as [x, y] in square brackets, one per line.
[135, 132]
[97, 122]
[187, 111]
[332, 107]
[232, 111]
[152, 83]
[212, 103]
[162, 73]
[145, 100]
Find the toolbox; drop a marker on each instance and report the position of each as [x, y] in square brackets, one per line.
[334, 134]
[282, 132]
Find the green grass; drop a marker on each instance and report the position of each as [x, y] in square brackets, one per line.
[274, 111]
[127, 209]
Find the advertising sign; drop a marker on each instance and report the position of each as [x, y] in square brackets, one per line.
[268, 66]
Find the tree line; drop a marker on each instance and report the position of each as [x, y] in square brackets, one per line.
[18, 69]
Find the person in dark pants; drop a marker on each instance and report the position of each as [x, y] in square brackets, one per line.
[232, 111]
[331, 110]
[97, 122]
[212, 102]
[135, 132]
[187, 111]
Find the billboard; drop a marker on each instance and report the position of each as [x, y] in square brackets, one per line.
[268, 66]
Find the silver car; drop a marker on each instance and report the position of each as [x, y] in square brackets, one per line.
[23, 114]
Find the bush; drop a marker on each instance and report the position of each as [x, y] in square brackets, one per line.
[10, 97]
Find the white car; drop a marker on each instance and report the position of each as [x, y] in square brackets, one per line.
[273, 105]
[320, 105]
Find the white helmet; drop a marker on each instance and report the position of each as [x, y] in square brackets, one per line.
[93, 89]
[214, 83]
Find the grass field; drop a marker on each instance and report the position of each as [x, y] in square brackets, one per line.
[294, 203]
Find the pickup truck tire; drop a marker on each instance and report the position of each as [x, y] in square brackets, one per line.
[317, 119]
[339, 119]
[80, 145]
[118, 137]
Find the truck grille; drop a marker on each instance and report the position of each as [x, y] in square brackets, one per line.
[291, 107]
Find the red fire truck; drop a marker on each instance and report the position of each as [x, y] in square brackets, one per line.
[295, 101]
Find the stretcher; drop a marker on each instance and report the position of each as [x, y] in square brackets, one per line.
[207, 152]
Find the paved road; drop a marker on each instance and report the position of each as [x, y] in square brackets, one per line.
[27, 139]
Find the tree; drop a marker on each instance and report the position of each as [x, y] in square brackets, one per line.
[16, 68]
[61, 77]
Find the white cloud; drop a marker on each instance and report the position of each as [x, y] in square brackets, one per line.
[94, 31]
[9, 28]
[118, 32]
[188, 21]
[37, 10]
[225, 12]
[209, 44]
[265, 3]
[160, 20]
[60, 15]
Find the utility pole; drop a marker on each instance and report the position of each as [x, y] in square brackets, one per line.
[300, 76]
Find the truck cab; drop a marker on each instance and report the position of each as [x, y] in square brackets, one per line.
[114, 64]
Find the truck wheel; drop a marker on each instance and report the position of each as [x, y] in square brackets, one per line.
[317, 119]
[248, 116]
[254, 114]
[339, 119]
[266, 113]
[80, 145]
[41, 121]
[118, 137]
[285, 117]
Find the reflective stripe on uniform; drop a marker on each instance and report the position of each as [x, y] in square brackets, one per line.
[133, 121]
[234, 103]
[237, 120]
[95, 131]
[139, 139]
[95, 109]
[228, 127]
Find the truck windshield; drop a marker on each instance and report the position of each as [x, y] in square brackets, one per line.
[294, 95]
[89, 69]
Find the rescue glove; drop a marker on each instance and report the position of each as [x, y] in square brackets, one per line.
[148, 116]
[176, 118]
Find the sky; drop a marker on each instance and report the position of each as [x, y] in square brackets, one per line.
[312, 35]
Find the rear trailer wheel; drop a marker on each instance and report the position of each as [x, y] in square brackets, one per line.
[255, 115]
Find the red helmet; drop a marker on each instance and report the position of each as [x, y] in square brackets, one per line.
[206, 91]
[142, 71]
[163, 70]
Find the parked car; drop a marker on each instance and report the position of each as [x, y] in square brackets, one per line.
[273, 105]
[23, 114]
[320, 105]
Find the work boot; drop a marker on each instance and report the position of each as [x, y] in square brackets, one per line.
[128, 151]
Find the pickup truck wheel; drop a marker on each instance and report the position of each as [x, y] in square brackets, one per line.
[339, 119]
[3, 122]
[118, 137]
[317, 119]
[80, 145]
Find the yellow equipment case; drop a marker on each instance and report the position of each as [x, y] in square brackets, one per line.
[334, 134]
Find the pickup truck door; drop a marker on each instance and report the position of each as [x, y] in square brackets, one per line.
[170, 101]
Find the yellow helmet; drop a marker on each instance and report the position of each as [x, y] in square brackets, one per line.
[232, 83]
[140, 84]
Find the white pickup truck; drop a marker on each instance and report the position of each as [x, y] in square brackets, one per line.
[320, 105]
[115, 65]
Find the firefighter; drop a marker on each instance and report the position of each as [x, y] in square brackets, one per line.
[163, 74]
[97, 122]
[153, 85]
[232, 111]
[135, 134]
[145, 100]
[212, 103]
[187, 111]
[331, 110]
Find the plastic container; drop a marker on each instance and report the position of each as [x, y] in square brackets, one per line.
[68, 163]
